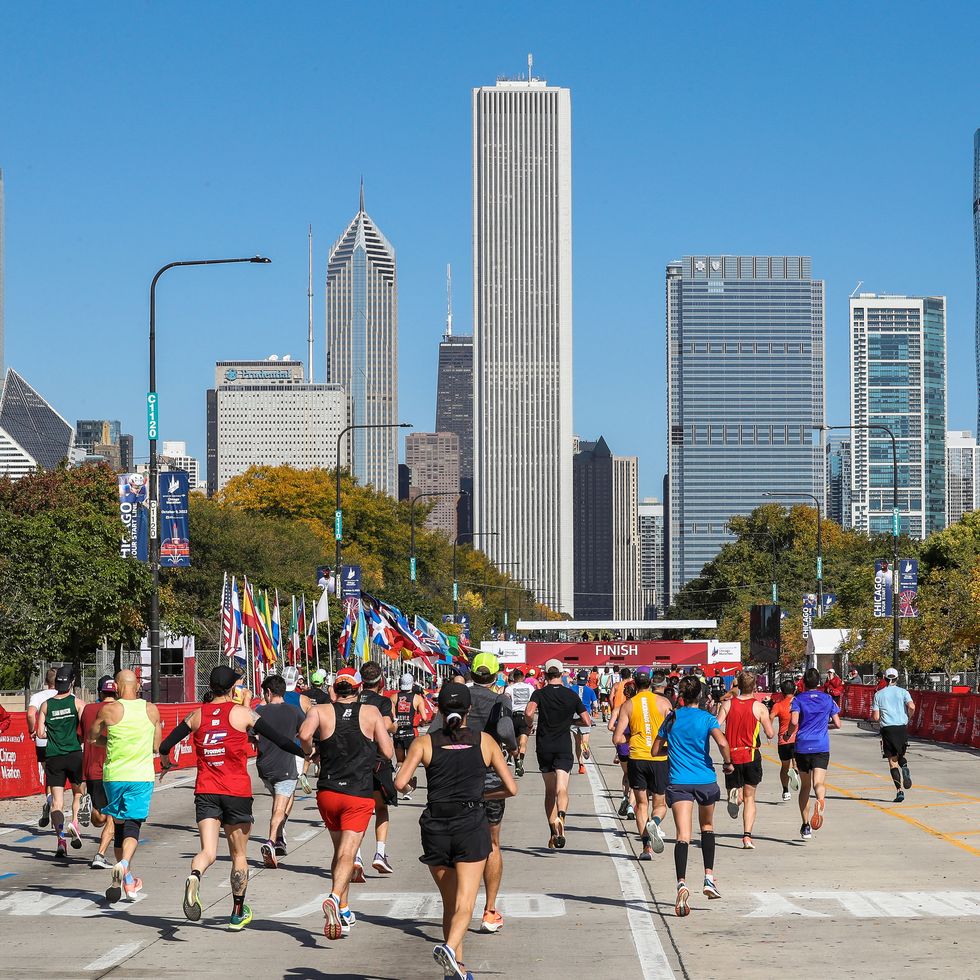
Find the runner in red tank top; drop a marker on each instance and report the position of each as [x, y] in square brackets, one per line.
[742, 717]
[223, 791]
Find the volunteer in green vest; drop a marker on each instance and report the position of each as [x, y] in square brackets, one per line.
[130, 729]
[58, 723]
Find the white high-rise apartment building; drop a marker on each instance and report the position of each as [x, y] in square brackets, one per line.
[962, 475]
[651, 531]
[174, 455]
[626, 549]
[362, 347]
[522, 333]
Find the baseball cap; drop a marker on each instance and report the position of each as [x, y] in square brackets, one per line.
[318, 677]
[454, 697]
[63, 679]
[222, 678]
[485, 663]
[532, 672]
[890, 673]
[830, 670]
[107, 685]
[582, 676]
[407, 682]
[557, 664]
[290, 675]
[348, 676]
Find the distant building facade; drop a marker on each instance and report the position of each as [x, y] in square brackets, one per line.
[433, 461]
[839, 478]
[454, 413]
[174, 454]
[962, 475]
[651, 543]
[104, 438]
[32, 434]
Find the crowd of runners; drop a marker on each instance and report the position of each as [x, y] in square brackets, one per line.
[363, 737]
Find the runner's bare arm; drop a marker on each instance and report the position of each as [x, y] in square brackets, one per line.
[835, 721]
[794, 723]
[413, 759]
[32, 721]
[96, 734]
[530, 711]
[726, 753]
[909, 707]
[41, 731]
[153, 713]
[382, 736]
[492, 756]
[763, 718]
[309, 728]
[623, 719]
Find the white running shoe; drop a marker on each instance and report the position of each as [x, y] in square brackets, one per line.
[656, 837]
[794, 781]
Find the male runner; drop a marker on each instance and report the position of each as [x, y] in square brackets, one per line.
[519, 691]
[557, 705]
[742, 717]
[581, 732]
[893, 707]
[223, 789]
[648, 775]
[716, 688]
[57, 722]
[809, 716]
[294, 697]
[372, 680]
[779, 715]
[605, 687]
[276, 768]
[93, 761]
[351, 735]
[316, 693]
[40, 744]
[408, 706]
[130, 730]
[489, 712]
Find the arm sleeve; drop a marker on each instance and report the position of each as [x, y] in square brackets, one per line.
[263, 728]
[177, 735]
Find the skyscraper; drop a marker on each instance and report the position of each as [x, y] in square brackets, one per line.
[898, 380]
[745, 389]
[976, 249]
[433, 460]
[839, 478]
[522, 333]
[651, 544]
[362, 347]
[962, 475]
[32, 433]
[2, 369]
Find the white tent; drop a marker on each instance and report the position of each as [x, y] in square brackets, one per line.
[824, 646]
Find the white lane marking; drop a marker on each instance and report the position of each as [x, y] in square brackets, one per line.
[305, 836]
[69, 903]
[428, 905]
[175, 784]
[115, 955]
[869, 905]
[771, 905]
[639, 910]
[7, 830]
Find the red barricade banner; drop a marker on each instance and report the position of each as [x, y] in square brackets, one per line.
[18, 760]
[856, 702]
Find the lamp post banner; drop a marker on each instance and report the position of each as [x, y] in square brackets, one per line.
[133, 495]
[350, 582]
[908, 587]
[809, 608]
[883, 588]
[175, 546]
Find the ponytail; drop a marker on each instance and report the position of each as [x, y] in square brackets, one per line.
[453, 722]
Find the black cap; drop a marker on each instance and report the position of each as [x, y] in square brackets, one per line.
[454, 697]
[223, 678]
[64, 679]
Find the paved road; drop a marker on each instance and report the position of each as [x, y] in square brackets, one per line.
[882, 888]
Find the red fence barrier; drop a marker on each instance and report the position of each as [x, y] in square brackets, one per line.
[939, 717]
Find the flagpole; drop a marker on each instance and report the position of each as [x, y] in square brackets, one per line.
[221, 621]
[306, 639]
[326, 599]
[316, 638]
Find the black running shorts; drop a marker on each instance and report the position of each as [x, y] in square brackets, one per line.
[550, 760]
[58, 768]
[787, 751]
[96, 789]
[894, 741]
[808, 761]
[463, 838]
[744, 774]
[494, 810]
[226, 809]
[648, 775]
[520, 723]
[403, 742]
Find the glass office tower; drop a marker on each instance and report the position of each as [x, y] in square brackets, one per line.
[745, 390]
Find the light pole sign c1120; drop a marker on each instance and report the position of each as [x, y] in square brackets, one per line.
[152, 415]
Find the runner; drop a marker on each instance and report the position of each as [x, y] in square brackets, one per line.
[616, 695]
[350, 735]
[692, 780]
[626, 805]
[130, 730]
[742, 717]
[810, 713]
[57, 722]
[456, 838]
[581, 732]
[491, 713]
[643, 714]
[372, 679]
[93, 761]
[557, 705]
[303, 703]
[716, 687]
[40, 744]
[605, 687]
[276, 768]
[316, 693]
[519, 691]
[410, 708]
[223, 789]
[779, 714]
[893, 707]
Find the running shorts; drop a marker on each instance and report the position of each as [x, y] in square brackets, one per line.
[894, 740]
[702, 794]
[623, 752]
[403, 742]
[648, 775]
[96, 789]
[128, 801]
[58, 768]
[582, 732]
[226, 809]
[494, 810]
[603, 697]
[808, 761]
[744, 774]
[550, 760]
[787, 751]
[282, 787]
[459, 838]
[343, 812]
[41, 751]
[520, 723]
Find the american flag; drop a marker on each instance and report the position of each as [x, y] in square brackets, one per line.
[230, 618]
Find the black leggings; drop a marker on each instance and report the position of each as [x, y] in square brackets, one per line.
[124, 829]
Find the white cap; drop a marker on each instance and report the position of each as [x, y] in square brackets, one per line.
[891, 673]
[830, 670]
[407, 681]
[553, 663]
[291, 676]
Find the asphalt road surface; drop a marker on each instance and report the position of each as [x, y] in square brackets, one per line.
[882, 890]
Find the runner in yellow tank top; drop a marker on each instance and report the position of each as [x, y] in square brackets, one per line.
[643, 714]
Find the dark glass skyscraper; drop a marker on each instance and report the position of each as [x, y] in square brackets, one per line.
[454, 396]
[32, 433]
[976, 249]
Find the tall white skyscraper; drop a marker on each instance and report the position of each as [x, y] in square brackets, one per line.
[2, 369]
[362, 347]
[522, 333]
[962, 475]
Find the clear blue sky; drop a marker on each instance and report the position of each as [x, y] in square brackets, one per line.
[132, 134]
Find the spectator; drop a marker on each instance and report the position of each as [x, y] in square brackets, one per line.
[834, 686]
[853, 677]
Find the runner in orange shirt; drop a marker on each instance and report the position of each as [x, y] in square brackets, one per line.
[617, 695]
[786, 747]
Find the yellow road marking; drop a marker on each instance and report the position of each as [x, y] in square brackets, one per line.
[926, 806]
[931, 789]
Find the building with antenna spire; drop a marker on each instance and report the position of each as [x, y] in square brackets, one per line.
[362, 346]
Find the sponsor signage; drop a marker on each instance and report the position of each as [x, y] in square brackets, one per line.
[133, 494]
[809, 610]
[829, 600]
[350, 582]
[720, 653]
[883, 588]
[506, 651]
[175, 547]
[908, 587]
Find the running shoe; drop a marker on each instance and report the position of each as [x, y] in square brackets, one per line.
[493, 921]
[794, 780]
[132, 887]
[74, 835]
[357, 875]
[85, 811]
[747, 844]
[805, 832]
[581, 769]
[192, 898]
[268, 852]
[681, 908]
[560, 832]
[519, 768]
[381, 864]
[587, 754]
[333, 927]
[647, 853]
[816, 821]
[61, 853]
[45, 818]
[238, 922]
[733, 803]
[114, 892]
[304, 782]
[281, 846]
[630, 812]
[906, 777]
[899, 797]
[786, 795]
[624, 805]
[99, 862]
[656, 837]
[406, 796]
[347, 921]
[446, 958]
[710, 888]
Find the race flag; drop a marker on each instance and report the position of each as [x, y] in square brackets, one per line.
[263, 632]
[294, 642]
[343, 641]
[433, 638]
[311, 637]
[231, 618]
[249, 616]
[276, 627]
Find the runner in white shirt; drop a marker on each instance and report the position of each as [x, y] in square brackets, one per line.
[41, 744]
[519, 692]
[606, 681]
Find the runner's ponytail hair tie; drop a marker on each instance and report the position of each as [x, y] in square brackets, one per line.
[453, 721]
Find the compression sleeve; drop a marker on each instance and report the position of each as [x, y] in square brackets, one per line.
[177, 735]
[263, 728]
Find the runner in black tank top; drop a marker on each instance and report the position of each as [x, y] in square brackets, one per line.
[347, 757]
[455, 832]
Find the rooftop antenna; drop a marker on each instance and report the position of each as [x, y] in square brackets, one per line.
[309, 296]
[530, 67]
[361, 207]
[856, 288]
[449, 300]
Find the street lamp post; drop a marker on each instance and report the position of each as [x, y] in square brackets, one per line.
[152, 406]
[816, 501]
[411, 510]
[338, 517]
[456, 540]
[896, 528]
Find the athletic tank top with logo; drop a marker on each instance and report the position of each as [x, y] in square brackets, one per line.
[61, 724]
[742, 731]
[222, 753]
[645, 722]
[129, 745]
[348, 756]
[405, 714]
[457, 771]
